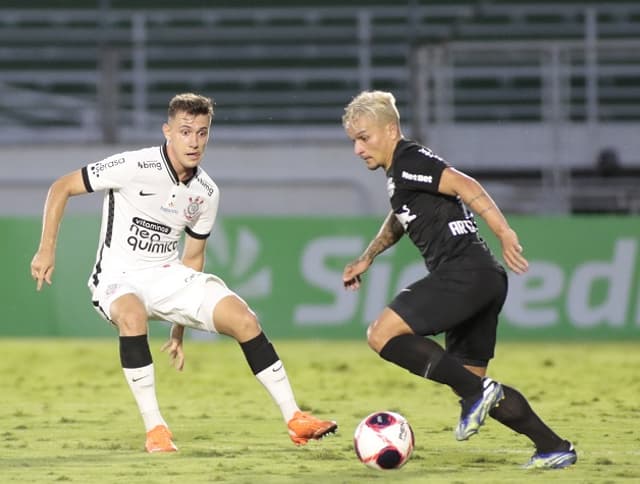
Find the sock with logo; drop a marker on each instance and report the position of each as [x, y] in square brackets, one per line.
[426, 358]
[137, 365]
[515, 412]
[269, 370]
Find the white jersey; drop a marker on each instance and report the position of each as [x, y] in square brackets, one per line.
[146, 209]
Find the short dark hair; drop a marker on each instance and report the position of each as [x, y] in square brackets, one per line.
[190, 103]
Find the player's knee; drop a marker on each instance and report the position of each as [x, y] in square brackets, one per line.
[131, 323]
[245, 326]
[129, 315]
[376, 336]
[384, 329]
[248, 323]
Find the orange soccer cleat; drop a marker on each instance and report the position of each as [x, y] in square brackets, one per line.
[303, 427]
[159, 440]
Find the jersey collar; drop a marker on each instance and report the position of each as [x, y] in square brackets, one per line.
[171, 170]
[402, 144]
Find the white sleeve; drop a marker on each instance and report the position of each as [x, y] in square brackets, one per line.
[202, 226]
[112, 172]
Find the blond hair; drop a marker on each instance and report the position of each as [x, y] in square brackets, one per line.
[378, 105]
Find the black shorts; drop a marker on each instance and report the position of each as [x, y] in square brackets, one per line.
[464, 305]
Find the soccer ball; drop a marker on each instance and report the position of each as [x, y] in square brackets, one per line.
[384, 440]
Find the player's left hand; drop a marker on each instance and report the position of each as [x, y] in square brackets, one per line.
[351, 276]
[176, 353]
[512, 252]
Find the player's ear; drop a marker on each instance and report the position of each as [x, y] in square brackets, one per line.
[392, 130]
[166, 130]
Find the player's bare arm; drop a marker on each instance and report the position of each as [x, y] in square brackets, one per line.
[193, 252]
[43, 262]
[454, 182]
[390, 232]
[192, 256]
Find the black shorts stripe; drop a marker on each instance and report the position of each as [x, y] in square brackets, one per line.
[96, 304]
[98, 269]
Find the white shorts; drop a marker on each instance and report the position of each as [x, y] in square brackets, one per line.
[171, 292]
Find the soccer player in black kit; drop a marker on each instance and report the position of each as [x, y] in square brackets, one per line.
[465, 289]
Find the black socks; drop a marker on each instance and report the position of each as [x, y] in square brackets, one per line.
[259, 353]
[515, 412]
[427, 359]
[134, 351]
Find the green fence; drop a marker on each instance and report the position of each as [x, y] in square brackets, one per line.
[582, 282]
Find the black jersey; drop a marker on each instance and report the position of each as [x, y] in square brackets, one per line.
[440, 226]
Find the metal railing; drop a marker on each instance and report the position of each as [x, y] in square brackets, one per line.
[89, 75]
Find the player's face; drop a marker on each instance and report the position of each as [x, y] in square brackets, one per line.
[373, 141]
[187, 136]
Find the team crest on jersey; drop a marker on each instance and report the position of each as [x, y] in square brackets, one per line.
[391, 187]
[193, 209]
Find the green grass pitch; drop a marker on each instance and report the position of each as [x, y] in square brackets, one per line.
[66, 415]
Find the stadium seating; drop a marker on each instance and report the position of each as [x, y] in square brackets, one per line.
[288, 65]
[284, 69]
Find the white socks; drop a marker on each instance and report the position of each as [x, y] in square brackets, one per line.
[275, 380]
[142, 384]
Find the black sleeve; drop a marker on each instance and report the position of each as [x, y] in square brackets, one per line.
[419, 169]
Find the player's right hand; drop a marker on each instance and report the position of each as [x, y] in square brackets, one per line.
[352, 272]
[176, 353]
[174, 346]
[42, 266]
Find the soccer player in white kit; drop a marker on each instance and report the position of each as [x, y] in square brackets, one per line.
[153, 196]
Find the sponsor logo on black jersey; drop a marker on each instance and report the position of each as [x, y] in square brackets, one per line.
[462, 227]
[150, 164]
[405, 217]
[101, 166]
[391, 187]
[419, 177]
[429, 153]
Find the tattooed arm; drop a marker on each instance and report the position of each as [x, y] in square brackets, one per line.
[390, 232]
